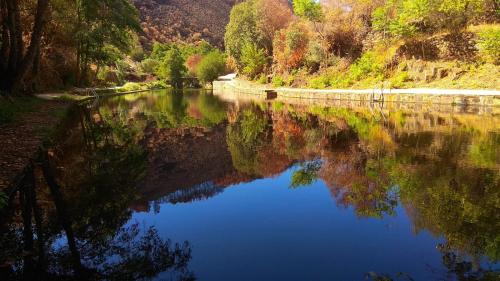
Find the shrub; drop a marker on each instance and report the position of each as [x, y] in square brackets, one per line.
[7, 113]
[211, 67]
[316, 55]
[262, 79]
[364, 66]
[398, 81]
[137, 54]
[489, 44]
[156, 85]
[130, 87]
[278, 81]
[309, 9]
[320, 82]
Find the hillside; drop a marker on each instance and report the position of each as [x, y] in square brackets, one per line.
[184, 20]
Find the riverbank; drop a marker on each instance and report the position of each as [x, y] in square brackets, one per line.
[417, 95]
[24, 132]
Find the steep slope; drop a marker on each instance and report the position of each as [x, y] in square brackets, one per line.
[184, 20]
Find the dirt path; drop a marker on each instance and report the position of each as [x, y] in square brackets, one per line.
[20, 139]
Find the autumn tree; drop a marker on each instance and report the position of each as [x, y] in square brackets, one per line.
[192, 63]
[272, 16]
[252, 27]
[291, 47]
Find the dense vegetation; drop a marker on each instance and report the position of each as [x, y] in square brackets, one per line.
[62, 43]
[346, 43]
[52, 44]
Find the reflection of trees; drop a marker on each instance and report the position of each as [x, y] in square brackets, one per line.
[244, 138]
[306, 175]
[457, 267]
[446, 178]
[212, 109]
[89, 203]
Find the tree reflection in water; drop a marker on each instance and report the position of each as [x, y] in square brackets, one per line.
[80, 213]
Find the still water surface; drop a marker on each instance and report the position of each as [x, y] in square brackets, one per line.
[189, 186]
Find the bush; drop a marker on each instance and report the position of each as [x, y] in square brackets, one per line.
[192, 63]
[278, 81]
[156, 85]
[366, 65]
[489, 44]
[262, 79]
[320, 82]
[308, 9]
[130, 87]
[211, 67]
[7, 113]
[137, 54]
[398, 81]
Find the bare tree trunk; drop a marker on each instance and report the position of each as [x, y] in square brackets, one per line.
[4, 50]
[34, 46]
[19, 62]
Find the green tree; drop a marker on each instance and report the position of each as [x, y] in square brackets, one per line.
[172, 68]
[253, 60]
[99, 24]
[241, 29]
[211, 67]
[308, 9]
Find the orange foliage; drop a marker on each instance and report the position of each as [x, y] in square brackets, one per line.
[192, 63]
[290, 47]
[273, 16]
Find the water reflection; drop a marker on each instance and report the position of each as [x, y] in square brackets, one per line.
[136, 153]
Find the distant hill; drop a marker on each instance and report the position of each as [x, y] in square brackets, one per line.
[184, 20]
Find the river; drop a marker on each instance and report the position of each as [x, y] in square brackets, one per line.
[192, 186]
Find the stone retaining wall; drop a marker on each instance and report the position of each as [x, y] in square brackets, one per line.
[422, 96]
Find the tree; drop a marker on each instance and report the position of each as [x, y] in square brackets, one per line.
[291, 47]
[241, 29]
[272, 16]
[15, 58]
[253, 60]
[99, 24]
[211, 67]
[308, 9]
[192, 63]
[172, 67]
